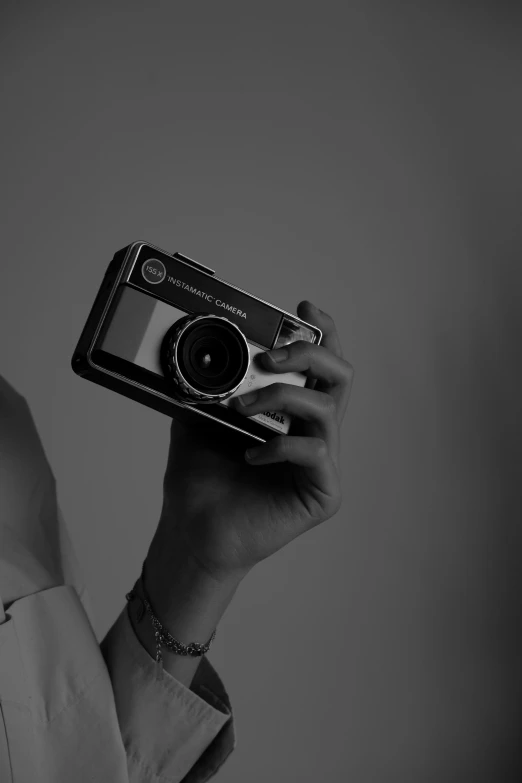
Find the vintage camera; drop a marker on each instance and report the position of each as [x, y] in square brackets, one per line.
[165, 331]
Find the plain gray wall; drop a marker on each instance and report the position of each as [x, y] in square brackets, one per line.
[366, 156]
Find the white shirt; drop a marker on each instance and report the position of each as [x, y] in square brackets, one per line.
[72, 709]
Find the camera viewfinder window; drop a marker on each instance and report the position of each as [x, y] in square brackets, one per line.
[291, 331]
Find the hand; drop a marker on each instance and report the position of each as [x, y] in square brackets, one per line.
[227, 514]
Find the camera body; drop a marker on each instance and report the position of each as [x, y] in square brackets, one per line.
[165, 331]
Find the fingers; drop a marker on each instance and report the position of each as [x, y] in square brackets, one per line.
[310, 313]
[313, 456]
[315, 361]
[335, 375]
[317, 408]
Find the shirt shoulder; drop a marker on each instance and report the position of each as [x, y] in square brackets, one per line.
[30, 536]
[21, 450]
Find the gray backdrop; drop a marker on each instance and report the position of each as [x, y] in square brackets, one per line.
[366, 156]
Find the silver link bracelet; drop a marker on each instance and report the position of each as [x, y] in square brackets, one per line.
[162, 636]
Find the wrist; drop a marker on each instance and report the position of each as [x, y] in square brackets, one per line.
[187, 601]
[195, 545]
[187, 598]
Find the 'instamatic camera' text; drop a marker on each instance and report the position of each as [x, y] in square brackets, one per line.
[208, 297]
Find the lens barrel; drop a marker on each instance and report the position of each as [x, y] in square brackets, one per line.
[206, 356]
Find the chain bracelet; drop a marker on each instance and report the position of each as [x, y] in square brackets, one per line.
[162, 636]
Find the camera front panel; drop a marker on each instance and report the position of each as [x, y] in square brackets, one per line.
[136, 327]
[144, 292]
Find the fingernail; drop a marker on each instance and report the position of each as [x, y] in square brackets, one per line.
[247, 399]
[253, 452]
[279, 355]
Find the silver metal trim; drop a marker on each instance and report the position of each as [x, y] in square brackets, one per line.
[212, 397]
[171, 399]
[230, 285]
[108, 303]
[198, 265]
[276, 338]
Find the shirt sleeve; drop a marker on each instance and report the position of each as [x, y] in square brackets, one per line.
[69, 711]
[72, 709]
[170, 732]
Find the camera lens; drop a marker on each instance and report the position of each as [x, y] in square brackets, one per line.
[209, 357]
[206, 355]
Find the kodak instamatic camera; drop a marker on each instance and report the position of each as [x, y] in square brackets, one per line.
[166, 332]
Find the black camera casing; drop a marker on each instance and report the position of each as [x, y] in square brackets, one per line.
[146, 290]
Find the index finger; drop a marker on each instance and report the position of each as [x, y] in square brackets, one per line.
[309, 312]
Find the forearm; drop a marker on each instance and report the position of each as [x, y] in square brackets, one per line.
[187, 600]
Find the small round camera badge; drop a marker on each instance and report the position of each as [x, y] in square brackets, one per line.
[153, 270]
